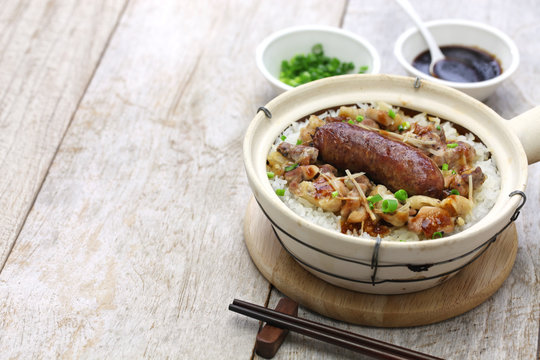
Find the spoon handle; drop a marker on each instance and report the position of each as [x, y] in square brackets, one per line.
[434, 50]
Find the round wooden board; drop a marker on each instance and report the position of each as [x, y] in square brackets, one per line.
[466, 290]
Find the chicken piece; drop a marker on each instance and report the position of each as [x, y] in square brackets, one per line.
[460, 182]
[306, 133]
[430, 220]
[352, 204]
[436, 151]
[277, 163]
[461, 157]
[299, 154]
[328, 169]
[301, 173]
[382, 118]
[457, 205]
[358, 216]
[418, 201]
[362, 180]
[350, 112]
[319, 194]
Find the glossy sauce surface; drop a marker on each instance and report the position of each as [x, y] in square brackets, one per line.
[480, 65]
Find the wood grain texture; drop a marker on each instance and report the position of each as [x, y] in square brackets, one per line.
[49, 51]
[134, 246]
[466, 290]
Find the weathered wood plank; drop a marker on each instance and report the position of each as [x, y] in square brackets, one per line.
[134, 245]
[507, 325]
[49, 51]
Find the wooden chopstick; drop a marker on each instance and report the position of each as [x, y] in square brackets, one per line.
[362, 344]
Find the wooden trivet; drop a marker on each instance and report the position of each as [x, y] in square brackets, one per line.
[469, 288]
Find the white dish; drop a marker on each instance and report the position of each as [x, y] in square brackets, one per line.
[460, 32]
[336, 42]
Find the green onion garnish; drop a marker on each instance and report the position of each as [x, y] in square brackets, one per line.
[400, 127]
[375, 198]
[454, 192]
[303, 68]
[438, 127]
[280, 192]
[392, 113]
[389, 205]
[351, 122]
[437, 234]
[363, 69]
[270, 174]
[454, 172]
[298, 142]
[291, 167]
[444, 167]
[401, 195]
[452, 145]
[371, 206]
[335, 194]
[282, 137]
[406, 125]
[359, 118]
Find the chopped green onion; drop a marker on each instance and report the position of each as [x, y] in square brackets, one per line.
[282, 137]
[406, 125]
[389, 205]
[291, 167]
[351, 122]
[335, 194]
[280, 192]
[363, 69]
[438, 127]
[270, 174]
[359, 118]
[454, 172]
[437, 234]
[392, 113]
[454, 192]
[317, 49]
[298, 142]
[401, 195]
[452, 145]
[400, 127]
[371, 206]
[444, 167]
[303, 68]
[375, 198]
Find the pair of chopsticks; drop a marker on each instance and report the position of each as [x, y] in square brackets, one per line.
[362, 344]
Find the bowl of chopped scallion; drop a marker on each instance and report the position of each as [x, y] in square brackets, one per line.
[298, 55]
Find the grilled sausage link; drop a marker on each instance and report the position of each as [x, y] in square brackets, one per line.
[392, 163]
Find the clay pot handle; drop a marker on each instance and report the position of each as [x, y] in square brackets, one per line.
[527, 127]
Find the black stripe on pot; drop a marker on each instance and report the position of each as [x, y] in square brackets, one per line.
[266, 112]
[374, 260]
[373, 281]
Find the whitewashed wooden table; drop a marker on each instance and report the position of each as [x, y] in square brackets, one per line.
[123, 194]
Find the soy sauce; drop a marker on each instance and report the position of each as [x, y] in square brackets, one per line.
[481, 65]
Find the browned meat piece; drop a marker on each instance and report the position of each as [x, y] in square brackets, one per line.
[430, 220]
[301, 173]
[300, 154]
[380, 117]
[460, 157]
[392, 163]
[306, 133]
[460, 181]
[430, 133]
[327, 168]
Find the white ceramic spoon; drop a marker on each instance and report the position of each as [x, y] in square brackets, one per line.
[440, 66]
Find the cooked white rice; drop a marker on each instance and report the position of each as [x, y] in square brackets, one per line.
[484, 198]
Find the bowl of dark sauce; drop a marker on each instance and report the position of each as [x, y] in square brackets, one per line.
[482, 57]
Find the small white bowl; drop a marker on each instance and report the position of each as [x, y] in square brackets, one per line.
[460, 32]
[336, 42]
